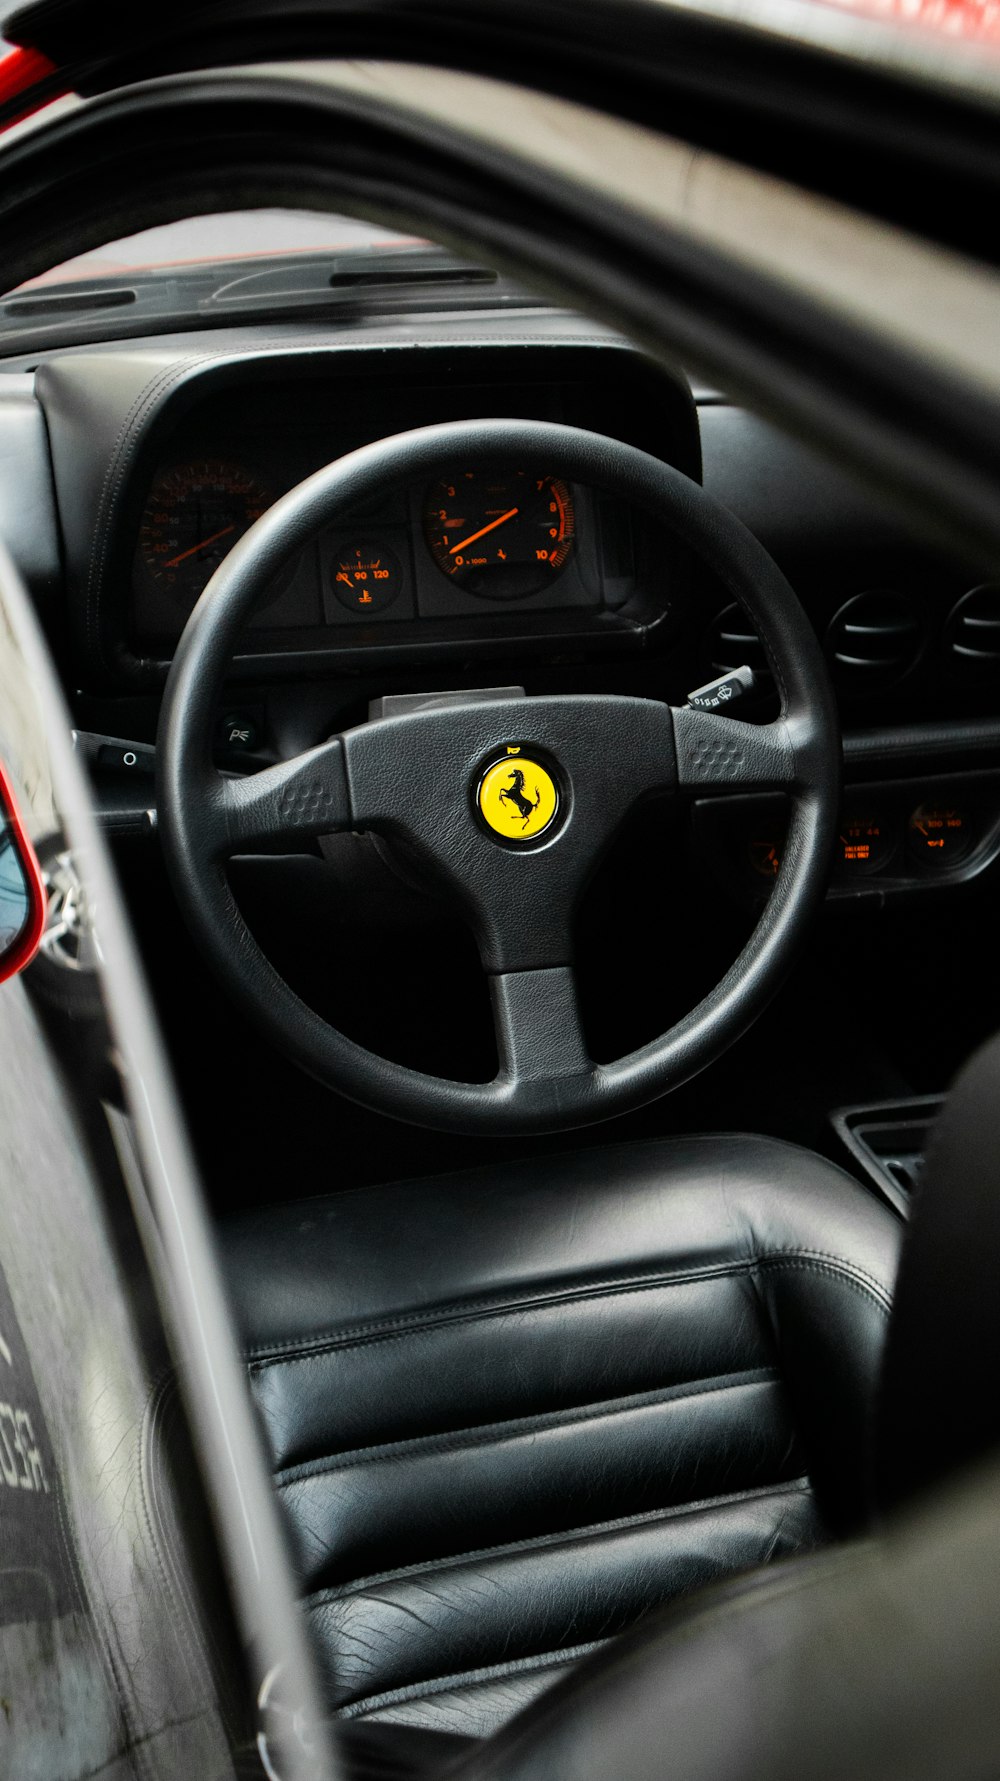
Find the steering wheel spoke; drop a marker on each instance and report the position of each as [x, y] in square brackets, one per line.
[287, 802]
[539, 1034]
[719, 753]
[502, 802]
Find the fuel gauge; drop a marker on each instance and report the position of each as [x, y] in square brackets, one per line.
[939, 835]
[862, 843]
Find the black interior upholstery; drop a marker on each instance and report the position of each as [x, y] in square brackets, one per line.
[938, 1400]
[879, 1660]
[511, 1411]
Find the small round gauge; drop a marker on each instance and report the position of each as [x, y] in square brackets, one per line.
[193, 515]
[366, 577]
[500, 534]
[862, 842]
[765, 856]
[939, 834]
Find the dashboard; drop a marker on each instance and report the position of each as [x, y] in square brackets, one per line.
[484, 538]
[163, 454]
[495, 533]
[490, 551]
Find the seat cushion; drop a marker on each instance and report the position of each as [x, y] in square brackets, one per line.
[512, 1410]
[878, 1660]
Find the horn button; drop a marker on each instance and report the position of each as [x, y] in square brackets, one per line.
[517, 797]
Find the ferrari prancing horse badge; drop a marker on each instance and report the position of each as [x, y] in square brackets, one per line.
[518, 797]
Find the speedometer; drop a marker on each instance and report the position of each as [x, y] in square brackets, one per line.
[502, 534]
[193, 515]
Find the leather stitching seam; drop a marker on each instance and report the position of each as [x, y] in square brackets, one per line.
[194, 1635]
[105, 1657]
[145, 1448]
[360, 1586]
[129, 435]
[470, 1310]
[109, 487]
[416, 1691]
[852, 1277]
[789, 1578]
[140, 1746]
[482, 1434]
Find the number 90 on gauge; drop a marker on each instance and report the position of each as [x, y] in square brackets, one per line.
[365, 577]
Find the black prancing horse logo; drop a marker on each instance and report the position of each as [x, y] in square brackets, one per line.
[515, 795]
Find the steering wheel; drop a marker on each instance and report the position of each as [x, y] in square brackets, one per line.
[508, 803]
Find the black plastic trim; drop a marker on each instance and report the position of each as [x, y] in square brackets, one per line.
[851, 126]
[110, 417]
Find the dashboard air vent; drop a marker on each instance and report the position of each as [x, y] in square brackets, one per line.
[733, 643]
[972, 633]
[74, 302]
[379, 277]
[875, 639]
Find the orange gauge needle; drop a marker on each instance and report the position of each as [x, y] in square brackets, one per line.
[201, 545]
[494, 523]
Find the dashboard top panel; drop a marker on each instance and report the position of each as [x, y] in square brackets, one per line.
[909, 630]
[182, 453]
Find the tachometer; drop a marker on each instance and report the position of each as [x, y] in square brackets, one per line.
[193, 515]
[502, 534]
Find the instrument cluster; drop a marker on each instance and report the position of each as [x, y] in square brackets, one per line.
[483, 538]
[895, 837]
[874, 836]
[492, 552]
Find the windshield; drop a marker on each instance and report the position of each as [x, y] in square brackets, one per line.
[249, 266]
[214, 240]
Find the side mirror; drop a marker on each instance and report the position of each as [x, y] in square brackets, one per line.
[22, 893]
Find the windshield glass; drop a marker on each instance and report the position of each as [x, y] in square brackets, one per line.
[214, 240]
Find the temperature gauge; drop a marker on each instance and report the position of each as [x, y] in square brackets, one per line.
[939, 834]
[365, 578]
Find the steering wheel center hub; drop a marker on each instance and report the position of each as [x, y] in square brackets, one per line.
[477, 804]
[518, 798]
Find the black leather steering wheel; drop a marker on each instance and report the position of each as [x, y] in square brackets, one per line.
[585, 761]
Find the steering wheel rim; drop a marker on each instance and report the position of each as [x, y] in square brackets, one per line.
[546, 1081]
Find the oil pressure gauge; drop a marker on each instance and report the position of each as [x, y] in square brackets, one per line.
[939, 835]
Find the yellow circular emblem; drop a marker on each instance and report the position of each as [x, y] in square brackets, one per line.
[518, 798]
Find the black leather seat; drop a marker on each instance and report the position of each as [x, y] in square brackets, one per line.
[878, 1660]
[511, 1411]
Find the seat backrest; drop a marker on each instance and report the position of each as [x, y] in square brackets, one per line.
[939, 1406]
